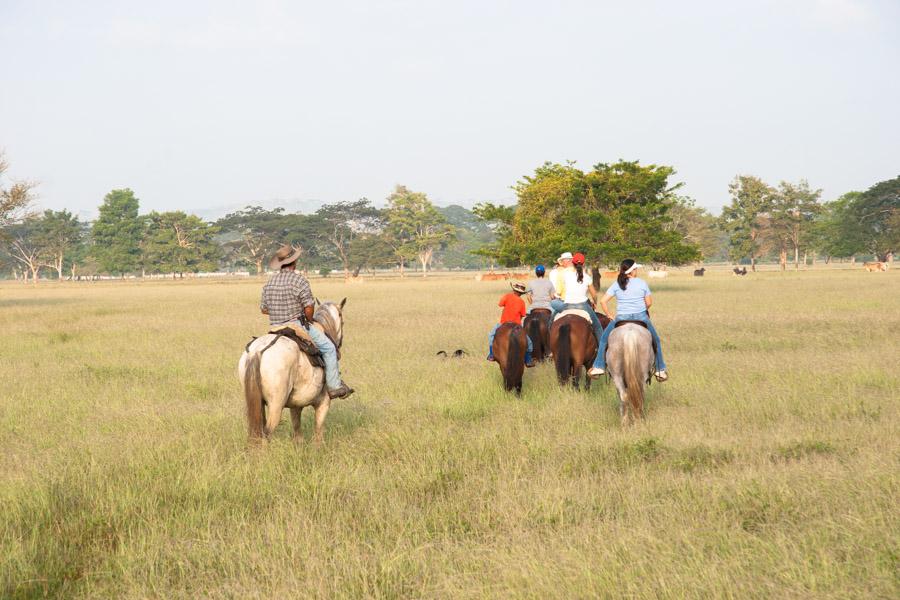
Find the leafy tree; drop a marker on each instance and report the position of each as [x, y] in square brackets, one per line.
[877, 210]
[696, 226]
[417, 225]
[342, 222]
[14, 200]
[179, 243]
[751, 199]
[499, 219]
[791, 214]
[117, 233]
[60, 235]
[259, 232]
[610, 212]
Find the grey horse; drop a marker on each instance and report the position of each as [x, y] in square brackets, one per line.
[630, 359]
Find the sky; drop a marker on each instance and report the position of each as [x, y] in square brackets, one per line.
[211, 106]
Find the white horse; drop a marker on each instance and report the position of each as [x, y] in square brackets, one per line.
[278, 375]
[630, 359]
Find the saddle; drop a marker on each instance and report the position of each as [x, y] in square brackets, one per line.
[299, 336]
[575, 311]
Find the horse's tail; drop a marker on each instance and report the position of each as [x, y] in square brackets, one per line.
[534, 332]
[514, 358]
[563, 354]
[635, 373]
[253, 396]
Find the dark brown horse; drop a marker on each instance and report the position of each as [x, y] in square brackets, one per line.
[537, 325]
[574, 346]
[509, 351]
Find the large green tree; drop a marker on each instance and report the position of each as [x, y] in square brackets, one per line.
[793, 209]
[117, 233]
[416, 225]
[257, 233]
[743, 219]
[696, 226]
[179, 243]
[341, 223]
[60, 235]
[877, 210]
[610, 212]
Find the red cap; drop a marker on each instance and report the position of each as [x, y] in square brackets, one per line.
[578, 259]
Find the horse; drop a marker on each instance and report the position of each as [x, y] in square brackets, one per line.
[537, 325]
[509, 351]
[574, 346]
[699, 272]
[630, 359]
[276, 375]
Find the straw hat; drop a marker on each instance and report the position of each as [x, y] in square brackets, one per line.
[518, 287]
[285, 256]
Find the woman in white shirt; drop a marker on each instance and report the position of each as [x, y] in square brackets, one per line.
[578, 292]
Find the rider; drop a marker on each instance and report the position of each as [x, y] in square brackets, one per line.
[287, 298]
[541, 289]
[577, 290]
[563, 264]
[513, 311]
[633, 298]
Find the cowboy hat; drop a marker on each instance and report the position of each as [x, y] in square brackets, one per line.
[285, 256]
[518, 287]
[564, 256]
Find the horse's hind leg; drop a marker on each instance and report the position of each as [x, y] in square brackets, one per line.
[295, 421]
[321, 412]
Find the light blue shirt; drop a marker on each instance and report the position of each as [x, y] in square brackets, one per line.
[630, 300]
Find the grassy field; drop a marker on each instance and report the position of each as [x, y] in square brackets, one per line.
[769, 465]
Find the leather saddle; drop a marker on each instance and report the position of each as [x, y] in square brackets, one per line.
[574, 311]
[299, 336]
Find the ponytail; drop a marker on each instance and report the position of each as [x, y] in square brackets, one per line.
[622, 278]
[579, 268]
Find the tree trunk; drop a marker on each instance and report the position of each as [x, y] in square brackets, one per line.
[796, 258]
[259, 270]
[753, 263]
[782, 258]
[805, 256]
[852, 259]
[402, 274]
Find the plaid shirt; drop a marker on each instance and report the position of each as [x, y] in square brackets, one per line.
[285, 296]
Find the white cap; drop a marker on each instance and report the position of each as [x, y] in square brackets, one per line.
[564, 256]
[633, 267]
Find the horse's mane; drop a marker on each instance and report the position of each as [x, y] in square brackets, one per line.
[326, 319]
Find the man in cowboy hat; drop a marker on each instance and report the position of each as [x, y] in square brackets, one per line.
[287, 297]
[513, 312]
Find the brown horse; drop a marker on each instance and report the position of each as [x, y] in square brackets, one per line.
[537, 324]
[574, 346]
[509, 351]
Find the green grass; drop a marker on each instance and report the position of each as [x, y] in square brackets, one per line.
[767, 466]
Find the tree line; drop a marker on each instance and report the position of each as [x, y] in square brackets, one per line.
[608, 212]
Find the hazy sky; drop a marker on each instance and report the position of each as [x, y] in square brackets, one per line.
[201, 105]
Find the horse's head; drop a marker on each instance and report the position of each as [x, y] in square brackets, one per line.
[330, 315]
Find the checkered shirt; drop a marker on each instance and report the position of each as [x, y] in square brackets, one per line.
[285, 296]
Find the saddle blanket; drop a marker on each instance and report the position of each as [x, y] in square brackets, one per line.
[578, 312]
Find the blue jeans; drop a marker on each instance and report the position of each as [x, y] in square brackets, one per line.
[600, 361]
[491, 343]
[329, 354]
[558, 306]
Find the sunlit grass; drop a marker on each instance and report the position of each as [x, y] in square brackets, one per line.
[767, 465]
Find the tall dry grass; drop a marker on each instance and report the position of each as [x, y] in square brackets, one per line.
[767, 466]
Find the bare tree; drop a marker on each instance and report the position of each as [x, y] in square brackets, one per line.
[15, 200]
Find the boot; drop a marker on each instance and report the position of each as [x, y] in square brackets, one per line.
[529, 362]
[342, 392]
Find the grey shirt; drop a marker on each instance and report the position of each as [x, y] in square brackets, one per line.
[542, 292]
